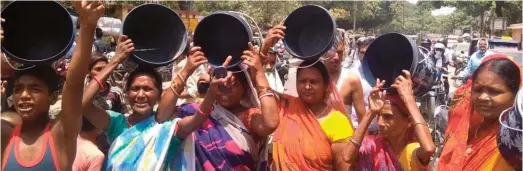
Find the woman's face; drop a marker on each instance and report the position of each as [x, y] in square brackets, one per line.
[310, 85]
[232, 99]
[97, 67]
[143, 94]
[391, 121]
[31, 97]
[490, 95]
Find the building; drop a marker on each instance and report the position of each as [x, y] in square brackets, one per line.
[517, 35]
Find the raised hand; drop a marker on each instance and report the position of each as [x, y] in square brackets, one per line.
[195, 59]
[124, 48]
[404, 86]
[89, 11]
[216, 81]
[377, 97]
[252, 59]
[275, 34]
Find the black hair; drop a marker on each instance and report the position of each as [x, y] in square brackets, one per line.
[505, 69]
[87, 125]
[98, 32]
[45, 73]
[319, 66]
[95, 58]
[145, 71]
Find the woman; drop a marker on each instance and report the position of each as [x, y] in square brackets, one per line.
[404, 141]
[110, 98]
[131, 135]
[312, 132]
[471, 142]
[39, 143]
[231, 127]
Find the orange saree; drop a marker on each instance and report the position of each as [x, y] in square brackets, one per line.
[480, 152]
[299, 143]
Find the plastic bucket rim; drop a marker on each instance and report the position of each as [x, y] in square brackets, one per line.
[324, 50]
[241, 20]
[413, 65]
[51, 59]
[178, 53]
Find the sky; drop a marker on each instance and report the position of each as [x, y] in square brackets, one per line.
[436, 12]
[442, 11]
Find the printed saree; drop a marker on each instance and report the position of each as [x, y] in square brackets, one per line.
[480, 153]
[223, 142]
[148, 146]
[377, 154]
[226, 142]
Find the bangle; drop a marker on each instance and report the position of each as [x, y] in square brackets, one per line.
[263, 90]
[265, 95]
[174, 91]
[357, 144]
[180, 77]
[205, 114]
[423, 123]
[99, 83]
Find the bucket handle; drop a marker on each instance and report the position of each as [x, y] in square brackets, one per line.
[15, 68]
[255, 24]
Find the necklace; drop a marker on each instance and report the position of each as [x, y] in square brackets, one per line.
[469, 147]
[321, 114]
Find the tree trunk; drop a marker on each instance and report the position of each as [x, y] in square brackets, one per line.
[499, 7]
[481, 24]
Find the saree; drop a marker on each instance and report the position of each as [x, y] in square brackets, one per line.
[299, 142]
[376, 153]
[481, 153]
[147, 146]
[226, 142]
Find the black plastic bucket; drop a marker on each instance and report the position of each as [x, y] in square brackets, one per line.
[391, 53]
[223, 34]
[158, 33]
[310, 32]
[36, 32]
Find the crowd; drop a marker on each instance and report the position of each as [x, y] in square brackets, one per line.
[325, 116]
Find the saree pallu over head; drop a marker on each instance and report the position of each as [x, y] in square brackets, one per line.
[146, 145]
[224, 142]
[480, 153]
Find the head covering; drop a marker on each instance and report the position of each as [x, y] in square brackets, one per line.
[439, 46]
[510, 132]
[461, 118]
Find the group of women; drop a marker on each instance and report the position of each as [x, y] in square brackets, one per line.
[230, 129]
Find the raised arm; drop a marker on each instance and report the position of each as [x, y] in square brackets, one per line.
[404, 87]
[99, 117]
[190, 123]
[167, 105]
[376, 102]
[68, 125]
[266, 123]
[275, 34]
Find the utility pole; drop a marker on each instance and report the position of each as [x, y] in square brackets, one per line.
[354, 16]
[354, 20]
